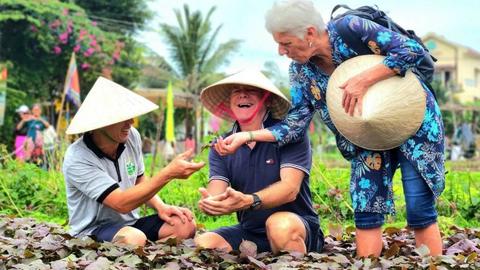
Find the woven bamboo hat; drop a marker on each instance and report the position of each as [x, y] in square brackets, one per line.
[392, 111]
[217, 95]
[108, 103]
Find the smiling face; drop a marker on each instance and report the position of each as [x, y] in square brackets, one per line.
[118, 133]
[246, 103]
[36, 111]
[293, 47]
[25, 115]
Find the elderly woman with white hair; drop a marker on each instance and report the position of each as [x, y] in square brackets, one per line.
[317, 49]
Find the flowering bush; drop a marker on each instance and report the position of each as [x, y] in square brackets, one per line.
[72, 31]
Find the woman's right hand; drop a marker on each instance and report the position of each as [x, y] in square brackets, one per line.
[230, 144]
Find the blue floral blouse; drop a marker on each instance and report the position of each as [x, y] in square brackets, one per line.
[372, 172]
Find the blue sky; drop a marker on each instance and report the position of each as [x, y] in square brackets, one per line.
[457, 21]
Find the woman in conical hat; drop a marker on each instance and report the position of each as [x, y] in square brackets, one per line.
[104, 173]
[317, 51]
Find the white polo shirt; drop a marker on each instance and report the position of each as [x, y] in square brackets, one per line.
[90, 176]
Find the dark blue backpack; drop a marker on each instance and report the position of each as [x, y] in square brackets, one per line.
[425, 68]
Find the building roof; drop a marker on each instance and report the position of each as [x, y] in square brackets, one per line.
[469, 51]
[180, 99]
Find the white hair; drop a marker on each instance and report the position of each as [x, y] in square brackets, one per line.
[293, 17]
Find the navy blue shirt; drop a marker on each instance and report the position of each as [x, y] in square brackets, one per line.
[251, 170]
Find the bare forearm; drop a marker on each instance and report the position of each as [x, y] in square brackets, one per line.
[142, 192]
[277, 194]
[216, 187]
[20, 125]
[263, 135]
[283, 191]
[377, 73]
[155, 202]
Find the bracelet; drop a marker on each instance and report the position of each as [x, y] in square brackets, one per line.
[250, 137]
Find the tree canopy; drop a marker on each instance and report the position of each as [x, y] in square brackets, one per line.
[37, 39]
[193, 50]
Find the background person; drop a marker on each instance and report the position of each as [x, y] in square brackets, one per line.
[36, 126]
[316, 50]
[21, 132]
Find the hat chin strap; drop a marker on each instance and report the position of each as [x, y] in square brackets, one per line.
[249, 119]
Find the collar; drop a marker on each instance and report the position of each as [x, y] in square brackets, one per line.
[87, 139]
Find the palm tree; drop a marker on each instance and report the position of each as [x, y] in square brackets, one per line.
[195, 56]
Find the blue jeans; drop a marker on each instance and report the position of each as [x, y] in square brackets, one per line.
[419, 200]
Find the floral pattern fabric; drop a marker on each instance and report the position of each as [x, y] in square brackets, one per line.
[371, 171]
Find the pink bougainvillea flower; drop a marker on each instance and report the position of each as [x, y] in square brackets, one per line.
[76, 48]
[85, 66]
[63, 38]
[33, 28]
[82, 33]
[93, 43]
[69, 26]
[57, 50]
[55, 24]
[88, 52]
[116, 55]
[65, 12]
[94, 23]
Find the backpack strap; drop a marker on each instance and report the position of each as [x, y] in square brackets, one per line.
[350, 39]
[337, 7]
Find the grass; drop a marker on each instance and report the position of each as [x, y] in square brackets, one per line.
[26, 190]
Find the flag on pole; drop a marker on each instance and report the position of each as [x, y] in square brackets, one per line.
[3, 77]
[169, 122]
[71, 89]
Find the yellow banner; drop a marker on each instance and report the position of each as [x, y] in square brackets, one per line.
[169, 122]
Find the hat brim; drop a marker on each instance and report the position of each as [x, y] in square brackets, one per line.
[106, 104]
[392, 110]
[216, 97]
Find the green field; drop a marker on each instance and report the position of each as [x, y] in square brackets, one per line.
[27, 191]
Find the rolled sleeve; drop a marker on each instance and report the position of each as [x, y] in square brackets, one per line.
[297, 155]
[218, 168]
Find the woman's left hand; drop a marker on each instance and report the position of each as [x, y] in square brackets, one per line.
[353, 91]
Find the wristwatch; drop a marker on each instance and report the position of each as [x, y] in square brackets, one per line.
[257, 202]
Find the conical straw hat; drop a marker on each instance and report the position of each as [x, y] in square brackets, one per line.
[393, 109]
[108, 103]
[217, 95]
